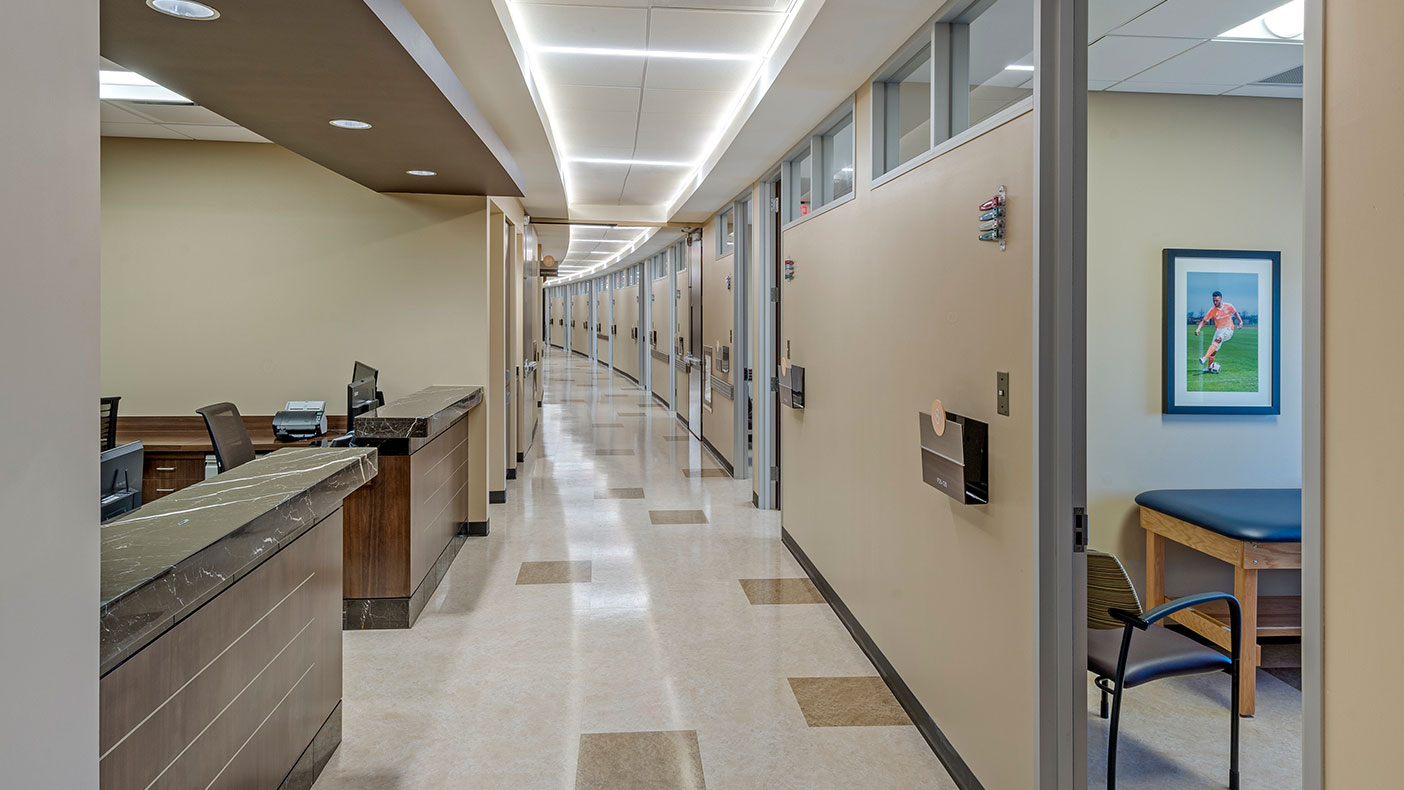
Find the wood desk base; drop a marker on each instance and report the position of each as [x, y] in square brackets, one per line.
[1268, 616]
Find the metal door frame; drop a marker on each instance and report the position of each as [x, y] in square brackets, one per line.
[767, 486]
[693, 261]
[741, 340]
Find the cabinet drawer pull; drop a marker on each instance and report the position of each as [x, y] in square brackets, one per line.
[165, 468]
[164, 490]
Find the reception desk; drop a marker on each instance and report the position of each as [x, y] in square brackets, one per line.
[220, 659]
[404, 529]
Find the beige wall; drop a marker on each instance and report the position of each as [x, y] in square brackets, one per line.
[48, 403]
[1213, 172]
[718, 426]
[946, 590]
[242, 272]
[1363, 281]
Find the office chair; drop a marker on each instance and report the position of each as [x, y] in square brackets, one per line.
[1125, 659]
[107, 423]
[230, 437]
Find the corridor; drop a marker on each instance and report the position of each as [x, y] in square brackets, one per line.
[621, 627]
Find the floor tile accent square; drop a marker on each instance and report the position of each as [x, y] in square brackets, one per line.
[620, 493]
[705, 473]
[677, 516]
[676, 438]
[606, 425]
[781, 591]
[554, 572]
[613, 452]
[863, 701]
[630, 414]
[642, 760]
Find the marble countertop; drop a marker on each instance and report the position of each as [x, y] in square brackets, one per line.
[164, 560]
[424, 414]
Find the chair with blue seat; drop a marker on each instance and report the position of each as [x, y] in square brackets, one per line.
[1124, 651]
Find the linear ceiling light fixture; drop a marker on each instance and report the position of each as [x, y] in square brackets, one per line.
[425, 173]
[648, 53]
[1018, 67]
[347, 123]
[630, 162]
[184, 9]
[116, 85]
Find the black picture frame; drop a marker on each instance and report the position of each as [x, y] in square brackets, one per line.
[1212, 394]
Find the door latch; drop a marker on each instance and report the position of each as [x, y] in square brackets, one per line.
[1080, 525]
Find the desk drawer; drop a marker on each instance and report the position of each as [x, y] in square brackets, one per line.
[165, 474]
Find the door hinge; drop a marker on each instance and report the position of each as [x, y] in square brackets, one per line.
[775, 204]
[775, 294]
[774, 474]
[1080, 525]
[774, 384]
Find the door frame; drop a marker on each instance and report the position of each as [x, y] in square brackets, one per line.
[741, 401]
[1059, 387]
[1313, 611]
[767, 430]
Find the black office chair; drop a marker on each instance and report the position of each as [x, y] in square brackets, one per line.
[230, 437]
[107, 423]
[1121, 662]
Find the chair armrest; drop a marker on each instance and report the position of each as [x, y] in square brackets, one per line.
[1146, 619]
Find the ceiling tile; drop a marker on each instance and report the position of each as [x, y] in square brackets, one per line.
[596, 97]
[1171, 87]
[691, 30]
[1226, 63]
[227, 134]
[585, 26]
[561, 69]
[1104, 16]
[712, 103]
[698, 75]
[111, 112]
[592, 129]
[674, 137]
[178, 113]
[1271, 91]
[1121, 57]
[140, 130]
[1196, 18]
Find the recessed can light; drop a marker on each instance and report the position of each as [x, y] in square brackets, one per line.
[347, 123]
[184, 9]
[421, 172]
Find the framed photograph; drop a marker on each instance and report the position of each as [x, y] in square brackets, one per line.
[1223, 332]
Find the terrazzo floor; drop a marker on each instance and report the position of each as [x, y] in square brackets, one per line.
[623, 626]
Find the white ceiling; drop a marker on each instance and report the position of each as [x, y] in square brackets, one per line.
[167, 121]
[656, 116]
[1170, 46]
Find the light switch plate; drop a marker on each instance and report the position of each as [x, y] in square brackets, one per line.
[1002, 392]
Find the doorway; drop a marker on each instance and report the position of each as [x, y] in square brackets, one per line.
[691, 345]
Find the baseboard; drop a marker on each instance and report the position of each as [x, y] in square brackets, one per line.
[314, 758]
[512, 472]
[478, 529]
[660, 400]
[497, 497]
[522, 456]
[937, 740]
[626, 375]
[755, 500]
[371, 614]
[716, 454]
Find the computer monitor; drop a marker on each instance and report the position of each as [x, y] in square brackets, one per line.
[362, 370]
[360, 398]
[121, 479]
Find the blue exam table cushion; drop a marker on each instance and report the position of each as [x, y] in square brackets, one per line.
[1264, 515]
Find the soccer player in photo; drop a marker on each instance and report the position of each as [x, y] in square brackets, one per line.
[1223, 316]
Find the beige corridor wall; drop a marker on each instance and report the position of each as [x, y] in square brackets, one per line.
[1363, 281]
[938, 313]
[718, 425]
[1209, 172]
[242, 272]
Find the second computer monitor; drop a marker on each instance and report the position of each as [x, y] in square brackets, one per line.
[360, 398]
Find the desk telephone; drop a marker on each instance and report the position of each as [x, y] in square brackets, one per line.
[300, 419]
